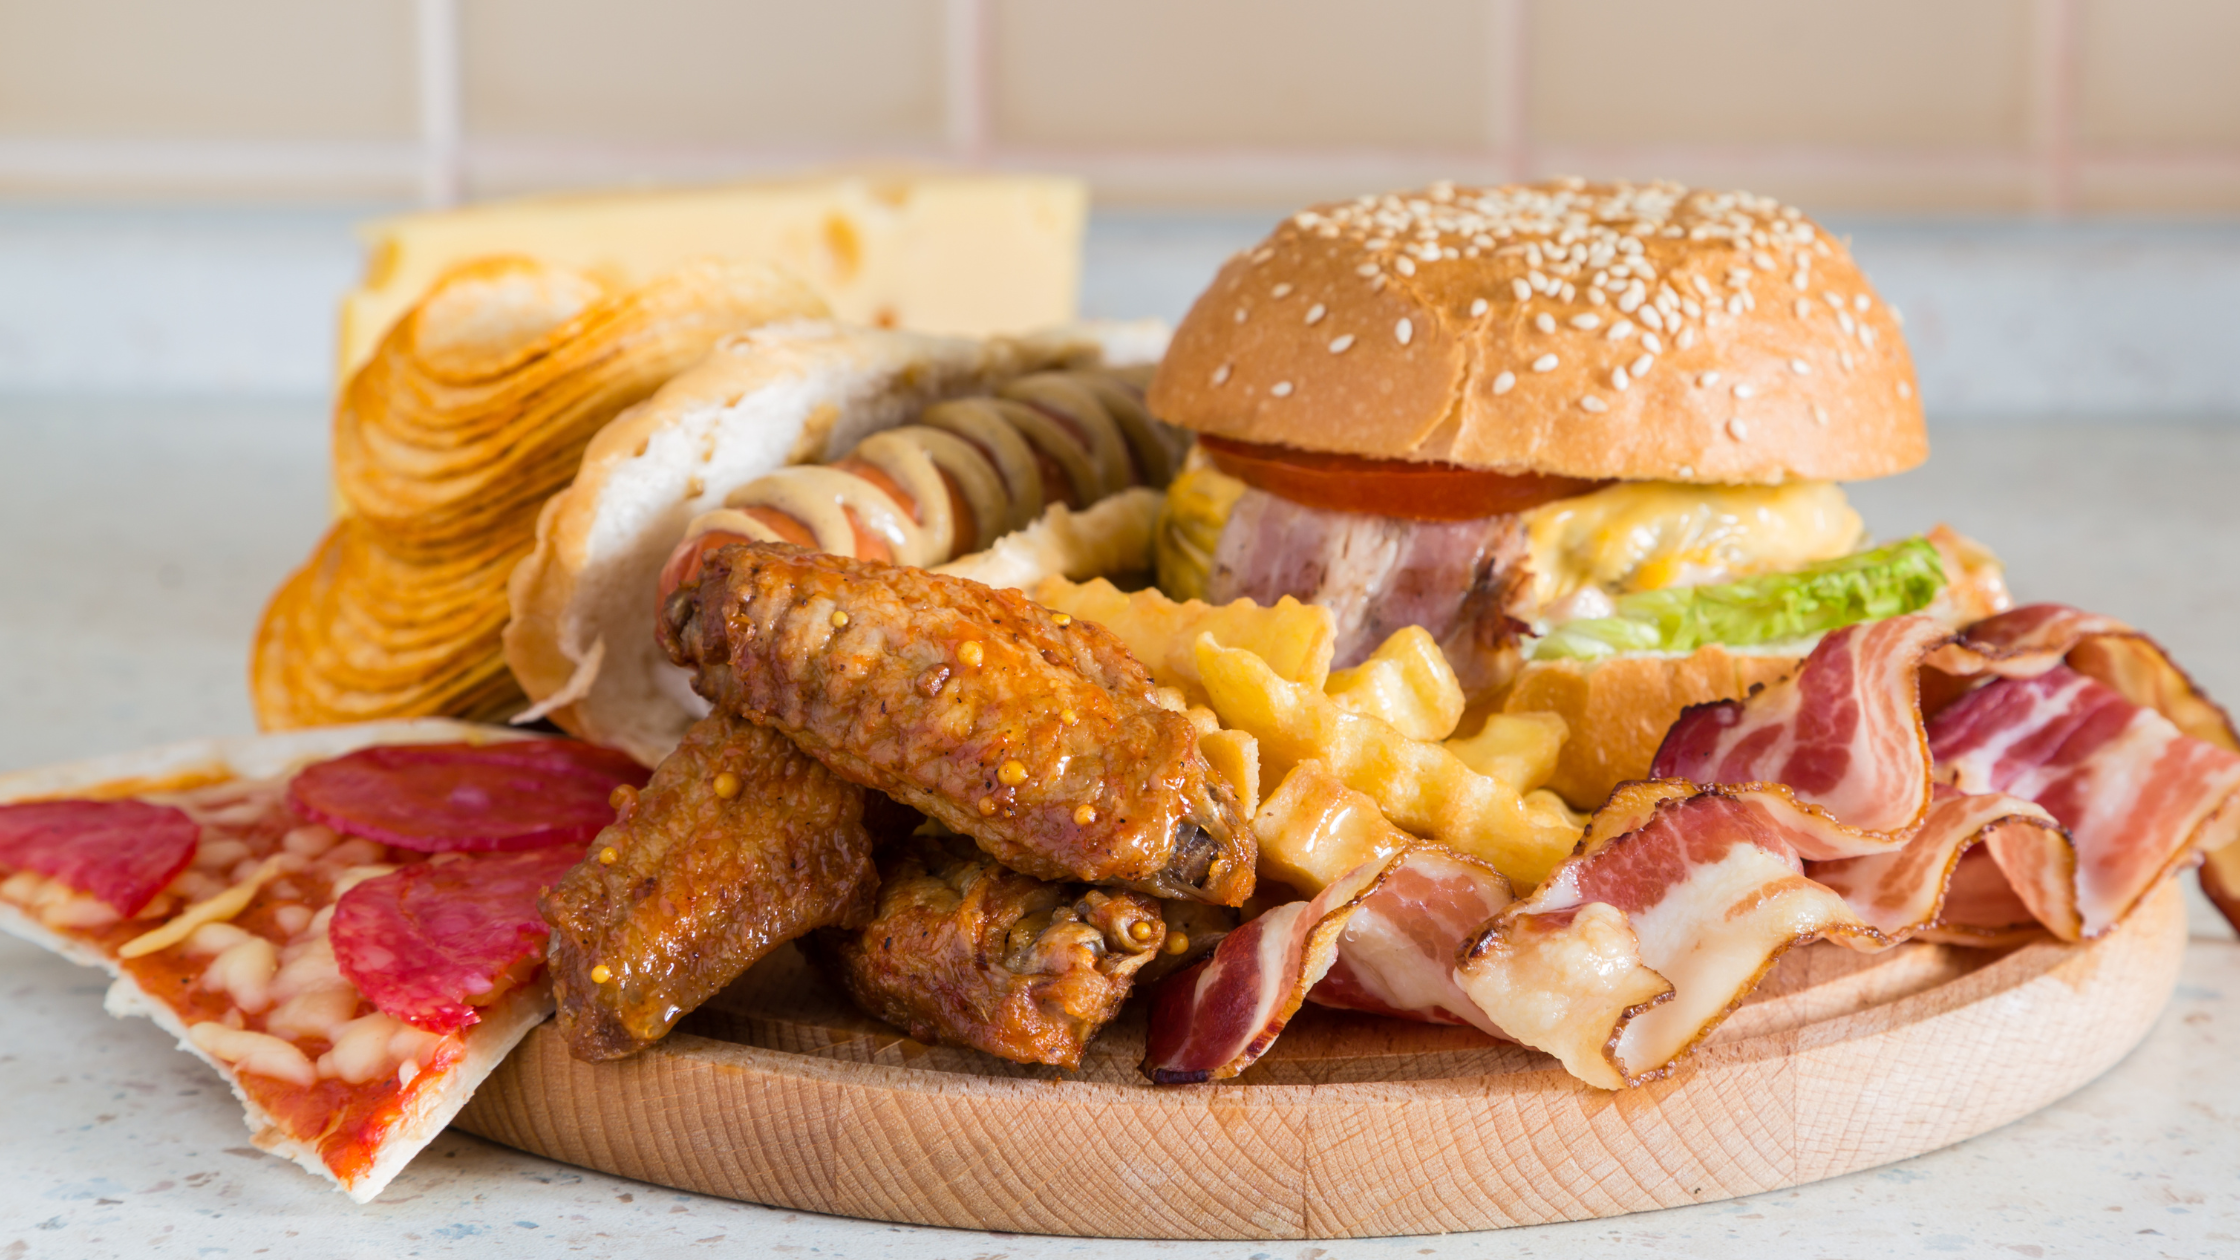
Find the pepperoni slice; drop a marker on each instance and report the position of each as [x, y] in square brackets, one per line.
[123, 852]
[445, 798]
[422, 943]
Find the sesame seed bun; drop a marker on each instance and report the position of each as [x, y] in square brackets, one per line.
[1629, 331]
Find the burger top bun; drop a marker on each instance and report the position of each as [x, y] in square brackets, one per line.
[1630, 331]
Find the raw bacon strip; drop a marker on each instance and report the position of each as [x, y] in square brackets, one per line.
[1212, 1021]
[444, 798]
[424, 942]
[1397, 953]
[1635, 949]
[123, 852]
[1898, 892]
[2137, 794]
[1844, 734]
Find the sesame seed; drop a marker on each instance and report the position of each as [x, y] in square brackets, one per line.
[1340, 344]
[1544, 322]
[1281, 389]
[1377, 285]
[1819, 414]
[1619, 380]
[1262, 256]
[1596, 297]
[1405, 265]
[1642, 365]
[1545, 363]
[1650, 316]
[1652, 343]
[1904, 390]
[1845, 322]
[1365, 269]
[1686, 339]
[1540, 283]
[1477, 307]
[1708, 379]
[1686, 471]
[1505, 382]
[1315, 313]
[1587, 322]
[1800, 367]
[1804, 308]
[1221, 375]
[1521, 289]
[1844, 357]
[1240, 314]
[1743, 389]
[1737, 430]
[1568, 291]
[1860, 303]
[1594, 404]
[1404, 331]
[1281, 291]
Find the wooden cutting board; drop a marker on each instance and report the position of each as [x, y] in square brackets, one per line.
[780, 1093]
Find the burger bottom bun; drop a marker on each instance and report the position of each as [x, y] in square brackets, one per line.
[1619, 709]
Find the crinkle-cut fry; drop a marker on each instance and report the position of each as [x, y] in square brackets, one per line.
[1519, 749]
[1406, 682]
[1313, 829]
[1235, 756]
[1421, 786]
[1295, 639]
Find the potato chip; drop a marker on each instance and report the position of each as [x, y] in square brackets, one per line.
[476, 408]
[1420, 785]
[1406, 682]
[1294, 639]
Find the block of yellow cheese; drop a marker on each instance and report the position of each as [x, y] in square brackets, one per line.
[948, 253]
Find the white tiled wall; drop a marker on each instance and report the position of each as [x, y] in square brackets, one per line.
[1843, 105]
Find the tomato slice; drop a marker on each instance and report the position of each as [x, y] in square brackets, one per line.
[1388, 487]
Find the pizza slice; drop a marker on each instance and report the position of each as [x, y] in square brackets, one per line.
[343, 922]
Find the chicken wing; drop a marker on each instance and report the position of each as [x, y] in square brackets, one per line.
[1037, 735]
[967, 952]
[737, 844]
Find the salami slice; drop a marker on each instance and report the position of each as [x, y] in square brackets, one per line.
[445, 798]
[423, 942]
[122, 852]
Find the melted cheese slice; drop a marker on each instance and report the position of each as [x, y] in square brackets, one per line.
[1647, 535]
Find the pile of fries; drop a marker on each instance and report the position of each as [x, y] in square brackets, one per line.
[1361, 757]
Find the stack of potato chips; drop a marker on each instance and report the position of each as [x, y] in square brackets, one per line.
[473, 412]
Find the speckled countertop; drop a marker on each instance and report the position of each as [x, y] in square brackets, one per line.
[138, 539]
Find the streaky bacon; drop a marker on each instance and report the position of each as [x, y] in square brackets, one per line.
[1397, 953]
[1215, 1019]
[1844, 733]
[2137, 795]
[1706, 888]
[2066, 768]
[1899, 891]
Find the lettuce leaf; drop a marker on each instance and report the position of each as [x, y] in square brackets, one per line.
[1885, 582]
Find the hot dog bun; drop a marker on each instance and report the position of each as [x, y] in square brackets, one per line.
[802, 393]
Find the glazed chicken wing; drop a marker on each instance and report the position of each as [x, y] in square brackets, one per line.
[737, 844]
[1034, 734]
[966, 952]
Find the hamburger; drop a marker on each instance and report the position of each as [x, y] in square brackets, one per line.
[1589, 436]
